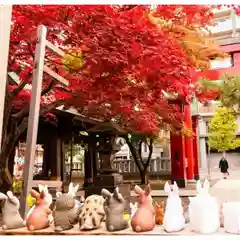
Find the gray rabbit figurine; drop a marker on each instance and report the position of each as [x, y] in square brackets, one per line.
[114, 209]
[65, 213]
[10, 209]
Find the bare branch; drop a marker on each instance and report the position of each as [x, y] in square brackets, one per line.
[48, 88]
[21, 85]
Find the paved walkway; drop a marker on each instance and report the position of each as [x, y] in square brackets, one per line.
[224, 189]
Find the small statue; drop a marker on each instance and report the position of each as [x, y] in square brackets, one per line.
[39, 217]
[159, 209]
[10, 209]
[144, 218]
[204, 213]
[92, 213]
[47, 201]
[231, 216]
[173, 220]
[114, 209]
[65, 213]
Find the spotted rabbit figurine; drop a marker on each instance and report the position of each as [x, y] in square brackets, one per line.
[39, 216]
[65, 213]
[92, 213]
[10, 209]
[114, 209]
[144, 218]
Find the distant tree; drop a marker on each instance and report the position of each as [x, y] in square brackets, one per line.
[222, 130]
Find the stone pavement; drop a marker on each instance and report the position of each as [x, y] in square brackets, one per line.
[225, 189]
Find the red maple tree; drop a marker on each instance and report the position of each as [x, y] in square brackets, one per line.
[126, 64]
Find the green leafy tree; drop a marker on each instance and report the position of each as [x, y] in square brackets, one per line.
[222, 130]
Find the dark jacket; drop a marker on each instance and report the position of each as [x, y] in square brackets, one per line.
[223, 165]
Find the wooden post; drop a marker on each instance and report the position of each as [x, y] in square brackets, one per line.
[33, 117]
[5, 26]
[189, 144]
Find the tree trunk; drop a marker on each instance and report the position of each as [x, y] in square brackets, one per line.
[136, 154]
[144, 177]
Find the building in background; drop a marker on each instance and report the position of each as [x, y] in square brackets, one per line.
[227, 34]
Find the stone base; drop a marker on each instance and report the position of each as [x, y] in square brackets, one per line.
[113, 179]
[181, 182]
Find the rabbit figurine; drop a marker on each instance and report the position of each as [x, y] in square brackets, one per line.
[159, 209]
[39, 217]
[173, 220]
[204, 211]
[231, 219]
[114, 209]
[10, 210]
[134, 207]
[144, 218]
[46, 201]
[92, 213]
[65, 213]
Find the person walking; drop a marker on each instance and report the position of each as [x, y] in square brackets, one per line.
[223, 165]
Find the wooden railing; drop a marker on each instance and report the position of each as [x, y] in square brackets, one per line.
[157, 165]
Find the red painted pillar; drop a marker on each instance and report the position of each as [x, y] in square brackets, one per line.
[195, 147]
[178, 160]
[189, 143]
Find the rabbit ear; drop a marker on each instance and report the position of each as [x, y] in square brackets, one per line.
[147, 190]
[70, 187]
[138, 190]
[9, 194]
[3, 196]
[46, 188]
[198, 186]
[105, 193]
[58, 194]
[167, 188]
[117, 195]
[206, 186]
[162, 203]
[42, 194]
[175, 188]
[40, 187]
[35, 194]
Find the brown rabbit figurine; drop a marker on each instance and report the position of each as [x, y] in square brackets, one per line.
[144, 218]
[159, 209]
[39, 217]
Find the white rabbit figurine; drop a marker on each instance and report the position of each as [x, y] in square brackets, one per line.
[231, 213]
[47, 200]
[204, 215]
[173, 220]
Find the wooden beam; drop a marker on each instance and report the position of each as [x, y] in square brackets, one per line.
[56, 76]
[54, 49]
[5, 26]
[33, 117]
